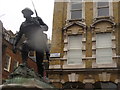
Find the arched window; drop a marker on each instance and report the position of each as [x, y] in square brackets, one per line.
[105, 86]
[73, 85]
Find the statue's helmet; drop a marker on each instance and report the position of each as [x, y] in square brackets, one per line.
[26, 10]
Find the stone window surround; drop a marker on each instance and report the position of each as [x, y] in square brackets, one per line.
[91, 58]
[8, 69]
[65, 52]
[68, 11]
[95, 9]
[94, 64]
[68, 32]
[66, 44]
[17, 63]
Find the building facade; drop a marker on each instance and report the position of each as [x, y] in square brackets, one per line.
[1, 50]
[85, 48]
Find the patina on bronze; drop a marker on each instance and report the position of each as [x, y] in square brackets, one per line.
[25, 78]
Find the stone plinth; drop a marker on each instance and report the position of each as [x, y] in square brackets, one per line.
[24, 78]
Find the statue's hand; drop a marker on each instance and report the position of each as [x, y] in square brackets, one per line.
[14, 49]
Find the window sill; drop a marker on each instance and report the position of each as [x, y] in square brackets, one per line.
[73, 66]
[72, 20]
[96, 65]
[6, 70]
[88, 58]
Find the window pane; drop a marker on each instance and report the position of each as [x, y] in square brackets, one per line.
[104, 56]
[104, 40]
[104, 48]
[112, 85]
[76, 14]
[75, 42]
[105, 52]
[7, 62]
[103, 11]
[109, 86]
[105, 86]
[76, 6]
[103, 4]
[74, 56]
[15, 64]
[75, 1]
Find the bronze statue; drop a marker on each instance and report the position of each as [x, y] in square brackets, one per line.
[32, 28]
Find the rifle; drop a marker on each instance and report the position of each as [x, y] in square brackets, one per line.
[34, 9]
[47, 55]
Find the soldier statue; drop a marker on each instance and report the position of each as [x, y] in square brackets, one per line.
[32, 30]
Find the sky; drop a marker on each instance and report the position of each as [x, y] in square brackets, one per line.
[11, 16]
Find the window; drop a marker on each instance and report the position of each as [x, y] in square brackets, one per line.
[7, 36]
[103, 9]
[104, 48]
[74, 54]
[15, 64]
[7, 63]
[105, 86]
[73, 86]
[11, 40]
[76, 10]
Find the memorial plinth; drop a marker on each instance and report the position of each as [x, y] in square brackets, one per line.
[24, 78]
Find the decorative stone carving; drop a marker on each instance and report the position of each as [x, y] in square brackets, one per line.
[103, 25]
[73, 77]
[104, 76]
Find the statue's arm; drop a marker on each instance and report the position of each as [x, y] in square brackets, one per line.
[43, 25]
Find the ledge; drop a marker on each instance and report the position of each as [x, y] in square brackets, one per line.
[70, 20]
[85, 70]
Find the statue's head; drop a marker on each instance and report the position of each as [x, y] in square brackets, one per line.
[27, 12]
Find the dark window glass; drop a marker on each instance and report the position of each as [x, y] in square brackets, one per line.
[76, 14]
[76, 10]
[77, 6]
[112, 85]
[103, 4]
[108, 86]
[105, 86]
[15, 64]
[103, 11]
[75, 1]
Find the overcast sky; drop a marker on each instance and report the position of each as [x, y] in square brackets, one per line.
[11, 16]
